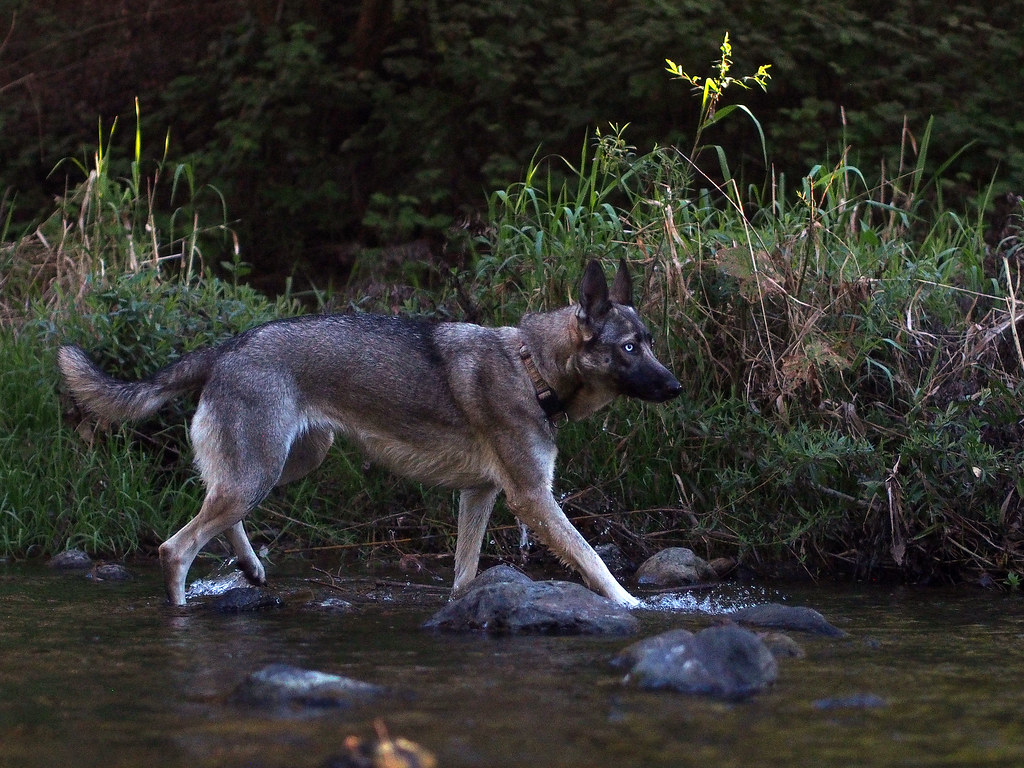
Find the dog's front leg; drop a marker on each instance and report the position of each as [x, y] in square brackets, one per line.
[538, 509]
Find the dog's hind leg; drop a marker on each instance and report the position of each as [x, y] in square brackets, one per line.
[221, 511]
[248, 562]
[241, 455]
[306, 454]
[475, 505]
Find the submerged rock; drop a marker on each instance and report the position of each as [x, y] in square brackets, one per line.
[727, 662]
[853, 701]
[70, 560]
[245, 599]
[782, 646]
[675, 567]
[110, 572]
[790, 617]
[510, 602]
[283, 685]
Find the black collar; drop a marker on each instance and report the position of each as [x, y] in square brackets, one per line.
[554, 407]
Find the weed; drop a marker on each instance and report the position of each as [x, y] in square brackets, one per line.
[850, 353]
[847, 352]
[711, 90]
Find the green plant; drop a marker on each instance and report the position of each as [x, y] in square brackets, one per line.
[839, 397]
[111, 224]
[301, 116]
[848, 346]
[712, 89]
[61, 490]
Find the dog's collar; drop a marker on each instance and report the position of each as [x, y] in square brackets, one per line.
[549, 400]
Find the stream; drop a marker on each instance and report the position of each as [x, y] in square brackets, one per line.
[106, 674]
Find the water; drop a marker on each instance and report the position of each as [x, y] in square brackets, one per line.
[107, 675]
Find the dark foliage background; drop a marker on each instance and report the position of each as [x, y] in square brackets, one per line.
[332, 127]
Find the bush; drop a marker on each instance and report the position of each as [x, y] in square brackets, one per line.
[850, 352]
[333, 127]
[849, 356]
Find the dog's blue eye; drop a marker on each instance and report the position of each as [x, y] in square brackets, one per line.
[629, 347]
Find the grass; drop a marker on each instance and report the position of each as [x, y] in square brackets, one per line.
[61, 489]
[849, 349]
[849, 352]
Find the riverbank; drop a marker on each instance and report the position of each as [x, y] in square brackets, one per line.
[850, 357]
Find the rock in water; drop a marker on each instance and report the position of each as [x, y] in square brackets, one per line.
[244, 600]
[70, 560]
[663, 643]
[520, 605]
[675, 567]
[499, 574]
[782, 646]
[283, 685]
[789, 617]
[727, 662]
[109, 572]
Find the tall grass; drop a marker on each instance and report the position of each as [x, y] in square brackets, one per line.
[849, 349]
[112, 224]
[121, 268]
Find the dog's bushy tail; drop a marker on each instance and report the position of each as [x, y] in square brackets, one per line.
[115, 400]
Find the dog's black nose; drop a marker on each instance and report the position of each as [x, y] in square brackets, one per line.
[673, 390]
[664, 391]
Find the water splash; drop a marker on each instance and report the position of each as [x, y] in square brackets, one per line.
[216, 585]
[715, 602]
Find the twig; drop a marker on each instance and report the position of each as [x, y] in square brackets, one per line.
[1011, 302]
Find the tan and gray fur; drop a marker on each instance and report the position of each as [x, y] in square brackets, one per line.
[448, 404]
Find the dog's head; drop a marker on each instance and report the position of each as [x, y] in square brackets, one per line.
[616, 345]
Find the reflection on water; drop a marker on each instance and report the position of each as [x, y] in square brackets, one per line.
[107, 675]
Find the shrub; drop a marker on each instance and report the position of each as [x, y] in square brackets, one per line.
[848, 353]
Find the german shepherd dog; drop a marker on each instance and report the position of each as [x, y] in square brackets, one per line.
[452, 404]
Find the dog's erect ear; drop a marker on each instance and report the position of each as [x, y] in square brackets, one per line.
[622, 288]
[594, 304]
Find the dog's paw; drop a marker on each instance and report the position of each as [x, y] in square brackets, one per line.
[254, 571]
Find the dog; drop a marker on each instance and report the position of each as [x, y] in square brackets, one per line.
[454, 404]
